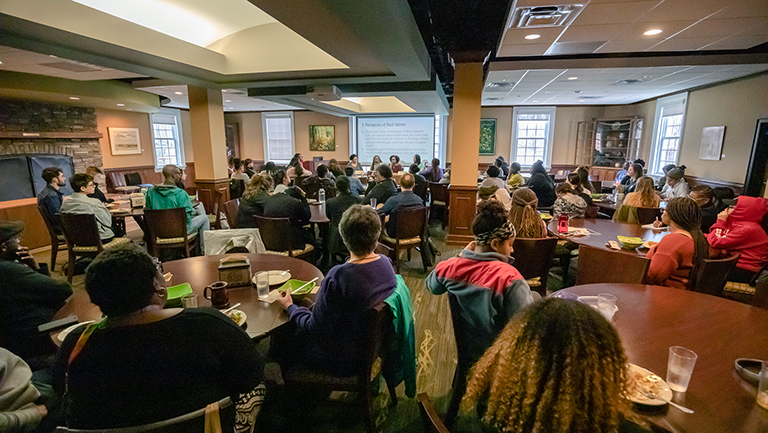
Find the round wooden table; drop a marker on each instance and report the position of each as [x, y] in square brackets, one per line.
[609, 230]
[650, 319]
[202, 271]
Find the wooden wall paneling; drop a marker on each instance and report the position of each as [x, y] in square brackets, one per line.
[205, 189]
[692, 181]
[36, 234]
[461, 212]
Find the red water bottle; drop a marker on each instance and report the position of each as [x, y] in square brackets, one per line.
[562, 223]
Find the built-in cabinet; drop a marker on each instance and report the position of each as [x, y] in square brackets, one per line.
[608, 142]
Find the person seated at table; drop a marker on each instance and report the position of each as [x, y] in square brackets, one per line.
[663, 179]
[446, 179]
[493, 178]
[382, 188]
[334, 210]
[356, 187]
[376, 163]
[644, 195]
[29, 298]
[321, 179]
[51, 197]
[433, 173]
[503, 167]
[494, 193]
[394, 164]
[354, 163]
[248, 167]
[231, 165]
[418, 162]
[524, 216]
[239, 172]
[169, 196]
[724, 197]
[622, 173]
[515, 179]
[738, 229]
[486, 287]
[586, 185]
[269, 169]
[80, 203]
[568, 202]
[574, 180]
[292, 203]
[676, 185]
[142, 363]
[542, 184]
[281, 181]
[421, 186]
[559, 366]
[253, 199]
[98, 179]
[634, 174]
[704, 197]
[406, 197]
[676, 259]
[334, 169]
[327, 337]
[295, 168]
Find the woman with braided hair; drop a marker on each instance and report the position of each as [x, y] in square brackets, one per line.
[523, 215]
[557, 367]
[677, 258]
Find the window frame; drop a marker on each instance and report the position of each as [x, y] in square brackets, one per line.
[550, 133]
[179, 136]
[265, 116]
[662, 104]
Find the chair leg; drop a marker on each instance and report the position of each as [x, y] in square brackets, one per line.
[397, 260]
[392, 394]
[409, 254]
[54, 253]
[370, 421]
[71, 266]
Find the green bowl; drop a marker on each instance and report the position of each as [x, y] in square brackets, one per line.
[596, 195]
[295, 284]
[175, 293]
[629, 243]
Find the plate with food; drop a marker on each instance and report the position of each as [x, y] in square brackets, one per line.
[237, 316]
[545, 216]
[275, 277]
[63, 334]
[629, 242]
[647, 245]
[641, 382]
[298, 288]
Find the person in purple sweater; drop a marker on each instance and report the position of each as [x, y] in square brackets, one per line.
[326, 337]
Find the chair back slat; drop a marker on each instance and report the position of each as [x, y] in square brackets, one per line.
[311, 189]
[438, 191]
[231, 208]
[166, 223]
[80, 230]
[598, 265]
[533, 256]
[410, 221]
[48, 223]
[133, 179]
[274, 232]
[713, 274]
[647, 215]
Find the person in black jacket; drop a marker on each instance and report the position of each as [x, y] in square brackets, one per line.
[291, 204]
[98, 179]
[542, 184]
[383, 186]
[704, 197]
[253, 199]
[334, 209]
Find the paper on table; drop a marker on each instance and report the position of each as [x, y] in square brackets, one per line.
[651, 227]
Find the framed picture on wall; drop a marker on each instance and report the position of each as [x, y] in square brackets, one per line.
[487, 136]
[124, 141]
[322, 138]
[711, 143]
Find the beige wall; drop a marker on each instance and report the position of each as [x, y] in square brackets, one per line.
[186, 136]
[125, 119]
[737, 106]
[566, 125]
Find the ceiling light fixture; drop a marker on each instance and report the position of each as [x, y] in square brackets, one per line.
[573, 78]
[652, 32]
[225, 90]
[534, 101]
[532, 37]
[74, 98]
[227, 100]
[121, 105]
[582, 100]
[178, 93]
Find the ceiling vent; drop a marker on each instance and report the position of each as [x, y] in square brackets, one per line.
[588, 97]
[628, 82]
[493, 99]
[543, 16]
[500, 85]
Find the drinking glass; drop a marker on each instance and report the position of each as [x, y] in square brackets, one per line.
[606, 305]
[262, 284]
[189, 301]
[680, 368]
[762, 389]
[373, 203]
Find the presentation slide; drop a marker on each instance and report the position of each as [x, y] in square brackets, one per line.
[401, 136]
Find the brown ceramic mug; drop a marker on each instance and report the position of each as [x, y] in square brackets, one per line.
[217, 293]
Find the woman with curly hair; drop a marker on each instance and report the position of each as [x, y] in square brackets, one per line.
[335, 169]
[557, 367]
[523, 215]
[252, 201]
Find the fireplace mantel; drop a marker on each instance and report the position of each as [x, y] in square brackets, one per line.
[65, 135]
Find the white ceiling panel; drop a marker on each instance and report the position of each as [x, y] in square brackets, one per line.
[234, 99]
[613, 13]
[591, 33]
[523, 50]
[668, 28]
[517, 36]
[683, 10]
[724, 27]
[744, 9]
[682, 44]
[736, 43]
[627, 46]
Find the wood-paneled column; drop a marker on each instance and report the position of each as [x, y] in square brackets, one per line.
[206, 113]
[465, 151]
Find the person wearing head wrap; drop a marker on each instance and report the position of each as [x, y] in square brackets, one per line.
[523, 215]
[542, 184]
[676, 185]
[486, 288]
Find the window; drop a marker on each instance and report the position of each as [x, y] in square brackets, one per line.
[532, 138]
[668, 132]
[278, 137]
[166, 139]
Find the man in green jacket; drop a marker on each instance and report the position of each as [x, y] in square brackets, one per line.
[169, 196]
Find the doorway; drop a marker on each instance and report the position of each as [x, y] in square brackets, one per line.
[757, 173]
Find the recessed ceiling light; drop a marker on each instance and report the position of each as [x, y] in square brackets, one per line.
[75, 98]
[227, 100]
[224, 90]
[582, 100]
[230, 108]
[534, 101]
[573, 78]
[652, 32]
[129, 109]
[121, 105]
[531, 37]
[178, 93]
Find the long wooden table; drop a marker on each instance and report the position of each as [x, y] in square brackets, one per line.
[609, 230]
[650, 319]
[202, 271]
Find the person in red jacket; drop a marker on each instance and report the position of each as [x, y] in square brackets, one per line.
[738, 229]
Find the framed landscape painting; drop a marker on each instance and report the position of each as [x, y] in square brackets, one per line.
[124, 141]
[487, 136]
[322, 138]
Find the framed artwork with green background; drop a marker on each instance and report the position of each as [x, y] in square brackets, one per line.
[322, 138]
[487, 137]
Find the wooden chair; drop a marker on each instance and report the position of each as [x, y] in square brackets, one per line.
[378, 321]
[275, 234]
[231, 208]
[311, 189]
[134, 179]
[236, 188]
[191, 422]
[215, 217]
[647, 215]
[82, 236]
[429, 417]
[422, 190]
[760, 298]
[533, 258]
[599, 265]
[57, 240]
[384, 251]
[591, 212]
[440, 200]
[168, 230]
[713, 274]
[410, 232]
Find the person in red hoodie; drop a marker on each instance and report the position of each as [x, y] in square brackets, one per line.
[738, 229]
